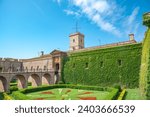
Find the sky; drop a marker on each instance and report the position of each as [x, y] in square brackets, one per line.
[30, 26]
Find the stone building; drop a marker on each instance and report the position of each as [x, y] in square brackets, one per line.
[10, 65]
[117, 62]
[45, 62]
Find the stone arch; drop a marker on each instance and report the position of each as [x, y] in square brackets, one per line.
[22, 82]
[36, 80]
[46, 79]
[3, 84]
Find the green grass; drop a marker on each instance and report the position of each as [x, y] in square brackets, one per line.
[133, 94]
[68, 94]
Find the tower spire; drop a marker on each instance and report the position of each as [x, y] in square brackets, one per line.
[77, 27]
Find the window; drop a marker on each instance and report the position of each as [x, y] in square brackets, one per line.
[73, 48]
[26, 69]
[1, 69]
[73, 65]
[37, 68]
[119, 62]
[57, 66]
[101, 64]
[73, 40]
[31, 68]
[86, 65]
[44, 67]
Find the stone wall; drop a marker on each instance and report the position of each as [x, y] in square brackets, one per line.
[10, 65]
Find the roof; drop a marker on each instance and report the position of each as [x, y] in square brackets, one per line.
[105, 46]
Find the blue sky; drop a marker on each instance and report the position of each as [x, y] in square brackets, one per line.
[29, 26]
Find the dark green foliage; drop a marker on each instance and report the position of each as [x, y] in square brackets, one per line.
[113, 95]
[1, 96]
[148, 92]
[106, 67]
[117, 87]
[13, 84]
[145, 66]
[42, 88]
[29, 83]
[17, 95]
[146, 19]
[13, 88]
[60, 82]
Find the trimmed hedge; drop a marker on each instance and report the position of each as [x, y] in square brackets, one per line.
[113, 95]
[13, 88]
[1, 96]
[20, 95]
[145, 67]
[122, 94]
[15, 84]
[102, 67]
[5, 96]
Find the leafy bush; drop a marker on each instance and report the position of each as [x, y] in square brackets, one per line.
[13, 84]
[13, 88]
[61, 82]
[7, 97]
[29, 83]
[17, 95]
[1, 96]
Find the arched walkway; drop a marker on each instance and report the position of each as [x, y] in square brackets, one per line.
[36, 80]
[46, 79]
[3, 84]
[22, 83]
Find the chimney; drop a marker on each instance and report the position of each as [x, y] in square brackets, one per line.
[42, 53]
[131, 37]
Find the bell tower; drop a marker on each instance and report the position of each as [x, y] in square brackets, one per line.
[76, 41]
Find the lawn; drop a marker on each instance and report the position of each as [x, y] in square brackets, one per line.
[68, 94]
[133, 94]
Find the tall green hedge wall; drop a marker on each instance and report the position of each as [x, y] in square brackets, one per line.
[104, 67]
[145, 67]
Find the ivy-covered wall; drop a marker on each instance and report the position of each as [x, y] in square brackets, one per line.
[104, 67]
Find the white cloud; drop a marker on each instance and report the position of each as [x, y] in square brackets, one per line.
[94, 10]
[130, 23]
[70, 12]
[106, 14]
[133, 15]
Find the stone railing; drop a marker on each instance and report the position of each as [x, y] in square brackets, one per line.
[29, 70]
